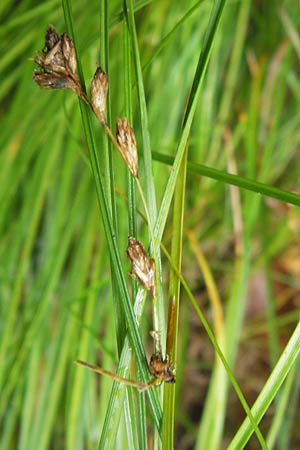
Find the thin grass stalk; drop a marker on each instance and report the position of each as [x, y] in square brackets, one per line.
[235, 180]
[115, 405]
[282, 406]
[131, 420]
[138, 420]
[211, 286]
[29, 400]
[270, 389]
[147, 157]
[150, 207]
[106, 163]
[189, 115]
[105, 157]
[211, 427]
[170, 34]
[132, 222]
[231, 81]
[210, 431]
[168, 422]
[11, 420]
[237, 301]
[285, 437]
[217, 348]
[273, 335]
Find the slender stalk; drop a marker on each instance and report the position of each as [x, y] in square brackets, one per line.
[140, 386]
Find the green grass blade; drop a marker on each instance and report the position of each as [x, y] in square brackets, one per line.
[146, 146]
[158, 303]
[168, 423]
[270, 389]
[189, 115]
[167, 38]
[235, 180]
[140, 416]
[278, 422]
[218, 351]
[114, 408]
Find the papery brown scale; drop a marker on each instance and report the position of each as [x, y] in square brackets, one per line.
[127, 145]
[58, 64]
[161, 368]
[51, 38]
[99, 89]
[142, 266]
[50, 81]
[68, 51]
[53, 60]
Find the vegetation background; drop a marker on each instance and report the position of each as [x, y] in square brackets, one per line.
[63, 266]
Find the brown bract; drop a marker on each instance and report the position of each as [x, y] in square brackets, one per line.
[142, 266]
[51, 38]
[58, 63]
[162, 368]
[127, 145]
[99, 89]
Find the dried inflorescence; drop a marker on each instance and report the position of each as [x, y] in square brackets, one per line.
[127, 145]
[142, 266]
[58, 64]
[99, 89]
[161, 368]
[58, 70]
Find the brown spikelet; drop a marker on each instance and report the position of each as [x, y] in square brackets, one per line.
[142, 266]
[161, 368]
[127, 145]
[57, 63]
[99, 89]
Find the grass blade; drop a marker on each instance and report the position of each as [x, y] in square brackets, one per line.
[269, 391]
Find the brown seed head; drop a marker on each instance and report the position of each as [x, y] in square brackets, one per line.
[51, 38]
[127, 145]
[162, 368]
[99, 88]
[142, 266]
[69, 54]
[50, 81]
[57, 63]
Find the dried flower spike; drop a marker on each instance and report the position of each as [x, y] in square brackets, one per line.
[51, 38]
[127, 145]
[162, 368]
[142, 266]
[58, 64]
[99, 88]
